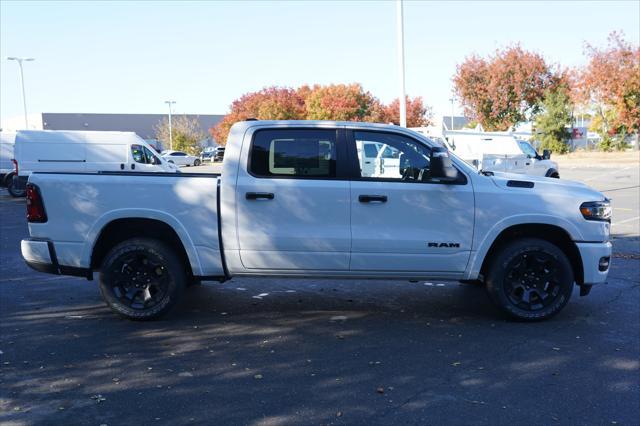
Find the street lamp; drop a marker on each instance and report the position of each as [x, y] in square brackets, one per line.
[170, 130]
[24, 100]
[400, 28]
[451, 100]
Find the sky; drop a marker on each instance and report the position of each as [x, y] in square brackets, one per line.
[129, 57]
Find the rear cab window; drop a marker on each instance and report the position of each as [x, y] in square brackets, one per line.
[293, 153]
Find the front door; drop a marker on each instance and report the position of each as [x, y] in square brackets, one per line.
[292, 209]
[143, 160]
[405, 222]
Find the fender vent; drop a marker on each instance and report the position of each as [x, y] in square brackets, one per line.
[520, 184]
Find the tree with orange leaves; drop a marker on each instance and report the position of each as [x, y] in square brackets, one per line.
[340, 102]
[271, 103]
[610, 84]
[504, 89]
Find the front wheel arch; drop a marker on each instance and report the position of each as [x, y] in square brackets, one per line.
[530, 279]
[551, 233]
[552, 173]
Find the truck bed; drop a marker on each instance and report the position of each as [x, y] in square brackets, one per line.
[80, 205]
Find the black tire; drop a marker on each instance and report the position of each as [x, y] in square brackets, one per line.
[552, 173]
[160, 274]
[530, 279]
[196, 163]
[13, 190]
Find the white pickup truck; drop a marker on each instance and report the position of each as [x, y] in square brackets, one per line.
[292, 201]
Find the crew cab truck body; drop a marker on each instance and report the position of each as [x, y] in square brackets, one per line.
[293, 201]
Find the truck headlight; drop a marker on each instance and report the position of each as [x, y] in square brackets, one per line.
[597, 210]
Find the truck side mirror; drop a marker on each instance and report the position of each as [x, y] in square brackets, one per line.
[440, 166]
[546, 154]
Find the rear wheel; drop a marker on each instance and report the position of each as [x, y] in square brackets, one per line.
[197, 162]
[142, 279]
[13, 188]
[530, 279]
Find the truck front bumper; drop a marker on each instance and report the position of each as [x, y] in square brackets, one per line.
[41, 255]
[596, 261]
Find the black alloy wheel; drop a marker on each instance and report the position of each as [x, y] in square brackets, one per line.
[142, 278]
[530, 279]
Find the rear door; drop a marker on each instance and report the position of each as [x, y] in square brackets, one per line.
[293, 206]
[405, 222]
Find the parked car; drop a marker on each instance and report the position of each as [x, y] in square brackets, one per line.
[219, 154]
[292, 201]
[180, 158]
[7, 167]
[83, 151]
[207, 154]
[212, 154]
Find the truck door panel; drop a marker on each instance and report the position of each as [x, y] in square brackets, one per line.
[292, 212]
[407, 224]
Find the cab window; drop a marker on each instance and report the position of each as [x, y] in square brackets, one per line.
[151, 158]
[400, 158]
[370, 150]
[137, 153]
[293, 153]
[141, 154]
[528, 149]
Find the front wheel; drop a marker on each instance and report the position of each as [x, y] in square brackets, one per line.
[530, 279]
[196, 163]
[142, 279]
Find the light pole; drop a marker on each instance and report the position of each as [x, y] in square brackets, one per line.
[24, 100]
[170, 129]
[452, 99]
[400, 28]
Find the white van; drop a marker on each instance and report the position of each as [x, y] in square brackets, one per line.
[84, 151]
[7, 169]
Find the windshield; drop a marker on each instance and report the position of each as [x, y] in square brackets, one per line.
[528, 149]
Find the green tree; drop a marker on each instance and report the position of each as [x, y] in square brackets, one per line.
[551, 125]
[186, 133]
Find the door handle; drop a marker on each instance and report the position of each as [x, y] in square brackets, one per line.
[121, 166]
[527, 164]
[367, 162]
[372, 198]
[133, 166]
[259, 196]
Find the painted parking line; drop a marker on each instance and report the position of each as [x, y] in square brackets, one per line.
[598, 176]
[626, 221]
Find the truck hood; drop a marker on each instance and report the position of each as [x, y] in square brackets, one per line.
[512, 181]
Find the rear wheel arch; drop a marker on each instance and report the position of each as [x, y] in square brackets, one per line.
[6, 180]
[120, 230]
[551, 233]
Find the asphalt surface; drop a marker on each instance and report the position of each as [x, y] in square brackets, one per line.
[279, 352]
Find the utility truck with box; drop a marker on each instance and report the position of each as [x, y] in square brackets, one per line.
[294, 200]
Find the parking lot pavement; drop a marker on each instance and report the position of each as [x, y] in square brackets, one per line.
[204, 168]
[270, 351]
